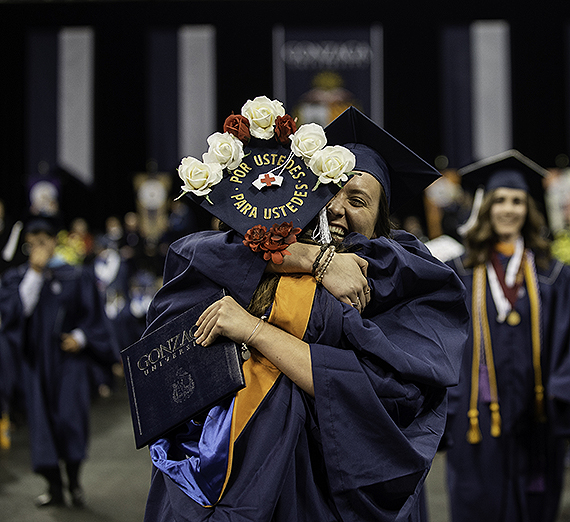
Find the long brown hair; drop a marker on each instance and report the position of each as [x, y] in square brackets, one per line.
[384, 225]
[480, 239]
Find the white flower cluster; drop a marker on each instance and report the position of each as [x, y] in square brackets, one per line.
[330, 164]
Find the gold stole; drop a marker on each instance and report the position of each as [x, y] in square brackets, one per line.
[291, 310]
[482, 335]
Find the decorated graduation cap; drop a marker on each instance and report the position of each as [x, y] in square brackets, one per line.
[265, 178]
[509, 169]
[401, 172]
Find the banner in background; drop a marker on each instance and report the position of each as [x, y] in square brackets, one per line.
[318, 73]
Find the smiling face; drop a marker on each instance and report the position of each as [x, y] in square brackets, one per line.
[355, 208]
[508, 213]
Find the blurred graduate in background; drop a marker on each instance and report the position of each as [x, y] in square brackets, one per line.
[509, 415]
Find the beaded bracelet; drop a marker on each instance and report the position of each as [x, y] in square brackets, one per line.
[319, 257]
[321, 272]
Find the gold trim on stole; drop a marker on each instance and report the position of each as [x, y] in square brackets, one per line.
[291, 312]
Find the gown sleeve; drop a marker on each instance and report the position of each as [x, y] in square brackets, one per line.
[380, 393]
[555, 296]
[199, 265]
[102, 343]
[12, 316]
[416, 301]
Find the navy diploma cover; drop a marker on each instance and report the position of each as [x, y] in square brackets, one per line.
[171, 379]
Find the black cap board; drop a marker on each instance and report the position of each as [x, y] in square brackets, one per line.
[240, 204]
[275, 173]
[509, 169]
[401, 172]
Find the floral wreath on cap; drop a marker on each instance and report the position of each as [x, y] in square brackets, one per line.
[265, 119]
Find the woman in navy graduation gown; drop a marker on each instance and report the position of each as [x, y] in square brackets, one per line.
[342, 412]
[53, 320]
[507, 417]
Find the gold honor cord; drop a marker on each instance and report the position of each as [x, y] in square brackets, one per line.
[481, 325]
[474, 432]
[535, 312]
[489, 361]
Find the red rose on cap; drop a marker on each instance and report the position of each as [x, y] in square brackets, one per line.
[284, 127]
[254, 237]
[274, 242]
[238, 125]
[277, 240]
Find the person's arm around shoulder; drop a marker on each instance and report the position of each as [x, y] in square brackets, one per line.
[345, 276]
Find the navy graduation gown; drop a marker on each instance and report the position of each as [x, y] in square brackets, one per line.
[56, 384]
[9, 374]
[516, 477]
[360, 450]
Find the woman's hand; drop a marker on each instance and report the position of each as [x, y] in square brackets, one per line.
[345, 278]
[225, 317]
[291, 355]
[69, 343]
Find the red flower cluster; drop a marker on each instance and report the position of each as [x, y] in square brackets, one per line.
[238, 125]
[273, 242]
[284, 127]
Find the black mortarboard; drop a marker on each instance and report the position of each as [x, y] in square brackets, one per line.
[241, 205]
[269, 184]
[509, 169]
[401, 172]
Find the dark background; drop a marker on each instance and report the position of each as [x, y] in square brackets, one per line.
[412, 74]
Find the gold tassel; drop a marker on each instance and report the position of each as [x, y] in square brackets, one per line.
[534, 298]
[495, 419]
[5, 438]
[539, 404]
[474, 433]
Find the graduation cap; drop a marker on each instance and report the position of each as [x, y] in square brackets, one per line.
[261, 179]
[401, 172]
[269, 186]
[509, 169]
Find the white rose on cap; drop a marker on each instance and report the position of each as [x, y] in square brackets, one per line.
[332, 164]
[309, 139]
[261, 113]
[224, 149]
[198, 177]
